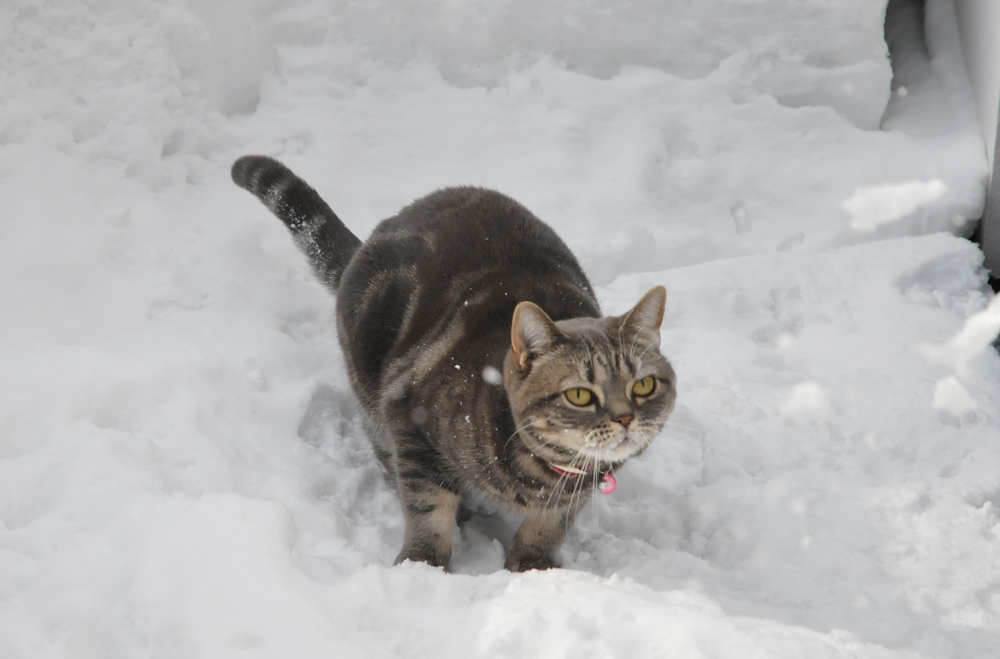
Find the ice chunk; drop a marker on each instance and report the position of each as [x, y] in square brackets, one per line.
[979, 331]
[951, 396]
[875, 205]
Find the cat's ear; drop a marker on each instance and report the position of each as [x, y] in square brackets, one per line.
[532, 333]
[647, 314]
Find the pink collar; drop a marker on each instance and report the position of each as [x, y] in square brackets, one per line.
[608, 482]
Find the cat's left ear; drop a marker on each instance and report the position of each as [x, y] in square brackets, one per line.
[647, 314]
[532, 333]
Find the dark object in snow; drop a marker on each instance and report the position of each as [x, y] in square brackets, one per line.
[460, 287]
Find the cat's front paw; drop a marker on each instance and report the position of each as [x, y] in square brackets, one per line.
[424, 555]
[524, 562]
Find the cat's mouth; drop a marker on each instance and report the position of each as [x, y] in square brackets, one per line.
[608, 481]
[584, 454]
[614, 449]
[565, 461]
[566, 464]
[571, 471]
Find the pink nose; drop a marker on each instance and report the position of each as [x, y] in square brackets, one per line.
[624, 419]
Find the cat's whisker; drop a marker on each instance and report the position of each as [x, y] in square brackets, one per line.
[564, 480]
[611, 470]
[529, 421]
[578, 487]
[557, 488]
[593, 490]
[578, 462]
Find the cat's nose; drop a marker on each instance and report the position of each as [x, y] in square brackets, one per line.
[624, 419]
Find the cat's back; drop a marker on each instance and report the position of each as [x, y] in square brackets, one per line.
[461, 257]
[468, 239]
[472, 229]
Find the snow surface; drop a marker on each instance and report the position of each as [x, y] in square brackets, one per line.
[182, 473]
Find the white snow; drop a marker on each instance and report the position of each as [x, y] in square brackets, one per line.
[875, 205]
[978, 332]
[951, 396]
[182, 471]
[808, 401]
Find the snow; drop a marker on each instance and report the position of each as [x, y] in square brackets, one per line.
[873, 206]
[182, 470]
[978, 332]
[950, 395]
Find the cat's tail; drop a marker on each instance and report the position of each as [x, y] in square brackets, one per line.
[317, 230]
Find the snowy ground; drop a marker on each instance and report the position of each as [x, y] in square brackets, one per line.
[181, 469]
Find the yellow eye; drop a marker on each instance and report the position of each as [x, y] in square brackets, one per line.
[644, 387]
[579, 397]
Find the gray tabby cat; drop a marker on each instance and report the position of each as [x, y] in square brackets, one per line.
[475, 346]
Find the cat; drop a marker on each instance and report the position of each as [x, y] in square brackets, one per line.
[478, 354]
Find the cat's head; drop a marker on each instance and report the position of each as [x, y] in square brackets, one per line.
[589, 392]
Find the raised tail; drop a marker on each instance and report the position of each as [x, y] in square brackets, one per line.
[317, 230]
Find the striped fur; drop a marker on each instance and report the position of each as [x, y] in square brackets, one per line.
[316, 228]
[460, 290]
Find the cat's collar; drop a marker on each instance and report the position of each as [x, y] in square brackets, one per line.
[571, 472]
[608, 482]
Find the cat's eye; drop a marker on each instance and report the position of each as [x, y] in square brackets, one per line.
[645, 386]
[579, 397]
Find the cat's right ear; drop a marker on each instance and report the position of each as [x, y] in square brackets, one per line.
[532, 333]
[647, 315]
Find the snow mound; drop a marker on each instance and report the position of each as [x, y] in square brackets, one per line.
[844, 65]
